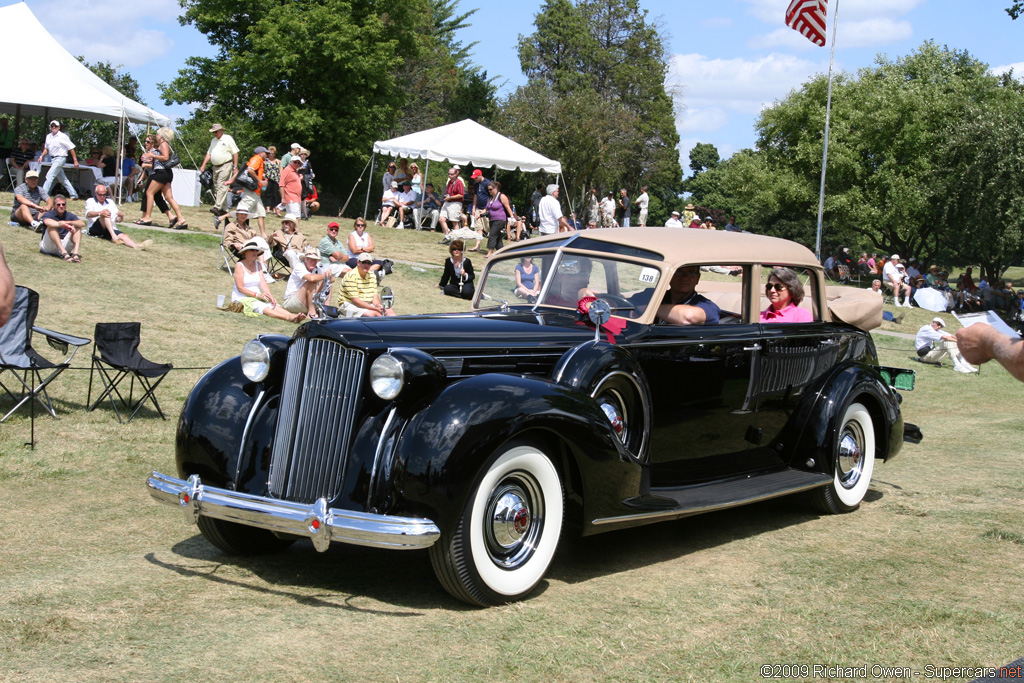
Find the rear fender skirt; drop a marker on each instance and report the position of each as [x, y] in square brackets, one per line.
[585, 367]
[443, 447]
[820, 418]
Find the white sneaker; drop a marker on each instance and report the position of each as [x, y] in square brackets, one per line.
[36, 225]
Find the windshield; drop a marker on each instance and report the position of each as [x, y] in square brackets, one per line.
[561, 279]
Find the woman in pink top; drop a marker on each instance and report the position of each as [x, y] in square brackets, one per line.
[785, 292]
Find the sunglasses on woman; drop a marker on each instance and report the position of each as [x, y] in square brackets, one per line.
[777, 286]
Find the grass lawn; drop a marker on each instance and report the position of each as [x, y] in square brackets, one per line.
[99, 583]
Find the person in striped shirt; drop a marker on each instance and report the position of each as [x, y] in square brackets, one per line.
[358, 293]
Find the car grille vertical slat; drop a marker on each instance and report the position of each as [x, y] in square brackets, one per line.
[318, 406]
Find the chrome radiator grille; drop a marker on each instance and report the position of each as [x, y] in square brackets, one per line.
[322, 385]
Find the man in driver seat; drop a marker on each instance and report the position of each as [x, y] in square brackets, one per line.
[572, 283]
[682, 305]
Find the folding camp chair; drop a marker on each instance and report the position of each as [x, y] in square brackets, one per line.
[19, 360]
[228, 257]
[9, 176]
[116, 356]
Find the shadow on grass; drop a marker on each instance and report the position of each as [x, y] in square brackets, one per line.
[344, 575]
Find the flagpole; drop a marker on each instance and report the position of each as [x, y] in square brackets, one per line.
[828, 116]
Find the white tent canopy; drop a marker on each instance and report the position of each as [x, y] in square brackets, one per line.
[80, 93]
[464, 142]
[467, 142]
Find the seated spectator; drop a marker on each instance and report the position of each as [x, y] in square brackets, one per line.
[431, 207]
[528, 279]
[251, 290]
[404, 202]
[933, 345]
[457, 279]
[19, 159]
[288, 244]
[30, 202]
[360, 242]
[892, 278]
[403, 174]
[109, 163]
[673, 221]
[307, 280]
[95, 158]
[103, 216]
[311, 202]
[334, 252]
[388, 202]
[876, 287]
[358, 297]
[237, 234]
[785, 292]
[62, 230]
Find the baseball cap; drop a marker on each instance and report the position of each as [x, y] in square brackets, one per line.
[394, 185]
[311, 252]
[333, 225]
[895, 257]
[215, 127]
[365, 258]
[940, 321]
[32, 174]
[477, 174]
[296, 145]
[675, 213]
[55, 122]
[261, 150]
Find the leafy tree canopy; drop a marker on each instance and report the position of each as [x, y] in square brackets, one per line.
[596, 98]
[703, 156]
[1015, 9]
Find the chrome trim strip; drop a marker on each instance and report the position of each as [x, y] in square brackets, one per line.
[314, 521]
[245, 431]
[683, 512]
[572, 352]
[385, 437]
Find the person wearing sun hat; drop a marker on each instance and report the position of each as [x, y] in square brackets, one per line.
[223, 155]
[933, 345]
[287, 244]
[59, 146]
[307, 280]
[251, 292]
[358, 297]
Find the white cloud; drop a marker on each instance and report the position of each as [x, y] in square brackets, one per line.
[1018, 70]
[879, 31]
[737, 85]
[110, 30]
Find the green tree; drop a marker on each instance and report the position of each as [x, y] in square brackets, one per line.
[704, 156]
[983, 210]
[1015, 9]
[889, 126]
[596, 98]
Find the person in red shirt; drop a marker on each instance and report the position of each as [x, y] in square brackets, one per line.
[291, 188]
[250, 204]
[454, 192]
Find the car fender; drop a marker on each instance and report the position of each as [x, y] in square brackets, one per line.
[218, 417]
[587, 366]
[444, 447]
[854, 382]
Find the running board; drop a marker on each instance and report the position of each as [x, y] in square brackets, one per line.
[718, 495]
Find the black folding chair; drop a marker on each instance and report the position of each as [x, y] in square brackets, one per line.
[19, 360]
[116, 356]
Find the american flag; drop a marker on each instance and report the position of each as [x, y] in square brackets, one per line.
[807, 17]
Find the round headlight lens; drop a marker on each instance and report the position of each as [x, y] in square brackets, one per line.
[386, 377]
[256, 360]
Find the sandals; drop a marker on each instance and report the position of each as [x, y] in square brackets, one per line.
[180, 226]
[142, 222]
[173, 222]
[71, 258]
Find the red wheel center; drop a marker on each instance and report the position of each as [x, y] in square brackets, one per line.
[521, 521]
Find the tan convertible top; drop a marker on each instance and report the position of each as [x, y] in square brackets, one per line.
[679, 245]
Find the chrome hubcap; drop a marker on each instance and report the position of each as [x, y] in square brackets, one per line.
[851, 455]
[513, 522]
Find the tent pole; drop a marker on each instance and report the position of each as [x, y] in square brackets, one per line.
[369, 184]
[120, 155]
[17, 121]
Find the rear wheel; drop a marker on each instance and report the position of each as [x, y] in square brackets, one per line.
[239, 539]
[508, 533]
[854, 461]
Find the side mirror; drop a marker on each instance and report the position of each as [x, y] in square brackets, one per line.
[387, 297]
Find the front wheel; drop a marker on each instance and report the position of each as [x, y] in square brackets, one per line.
[854, 461]
[507, 535]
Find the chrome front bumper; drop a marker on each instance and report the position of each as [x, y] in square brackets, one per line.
[316, 522]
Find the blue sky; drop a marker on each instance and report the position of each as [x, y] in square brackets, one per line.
[728, 59]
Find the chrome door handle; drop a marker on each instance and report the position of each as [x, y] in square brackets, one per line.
[755, 347]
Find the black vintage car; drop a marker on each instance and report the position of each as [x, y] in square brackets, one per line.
[565, 405]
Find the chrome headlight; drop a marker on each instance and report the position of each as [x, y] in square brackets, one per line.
[256, 360]
[386, 377]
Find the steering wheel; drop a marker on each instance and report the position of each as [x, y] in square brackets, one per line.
[619, 304]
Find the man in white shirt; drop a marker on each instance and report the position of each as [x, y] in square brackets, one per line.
[58, 145]
[674, 221]
[307, 279]
[643, 201]
[404, 200]
[933, 345]
[222, 154]
[549, 213]
[388, 202]
[893, 279]
[608, 211]
[102, 217]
